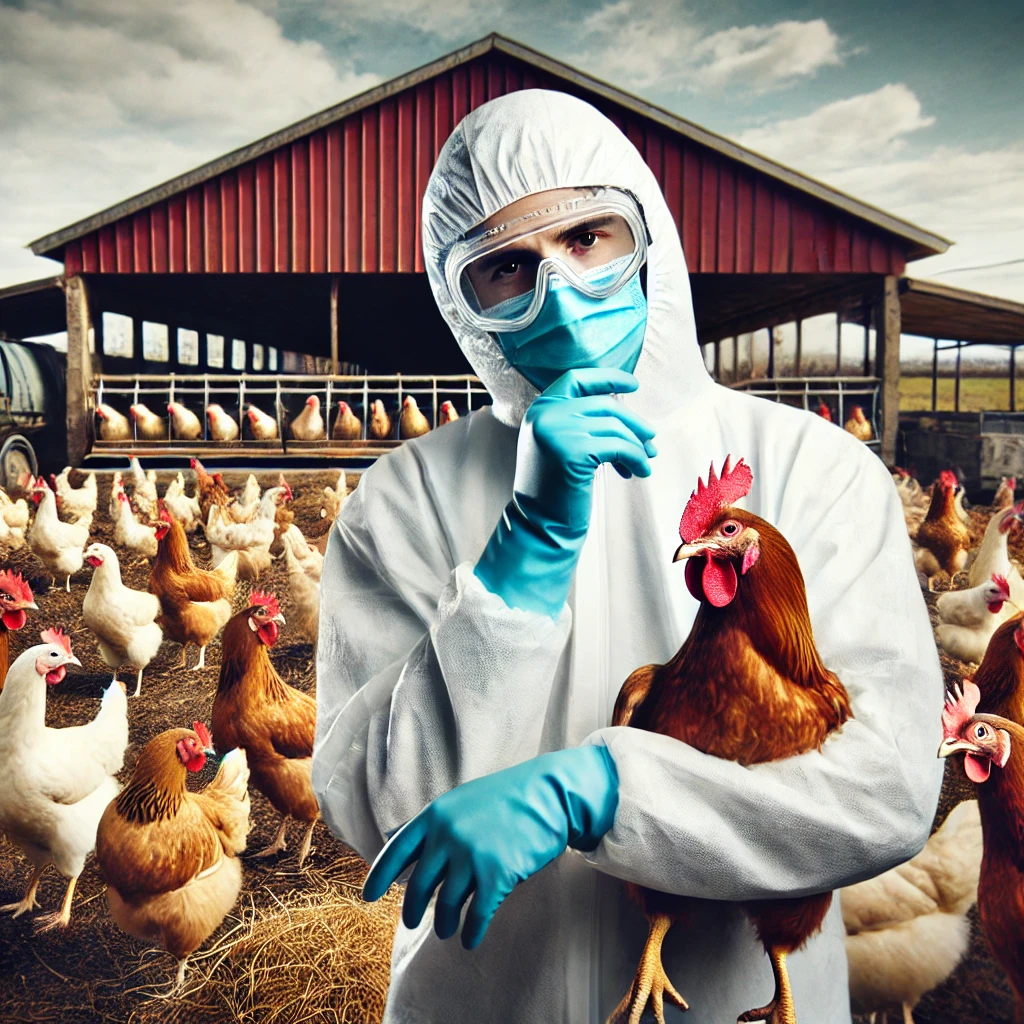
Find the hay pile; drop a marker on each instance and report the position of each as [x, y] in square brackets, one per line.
[315, 953]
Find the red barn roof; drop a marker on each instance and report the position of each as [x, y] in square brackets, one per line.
[340, 191]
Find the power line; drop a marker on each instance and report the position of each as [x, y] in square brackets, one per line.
[984, 266]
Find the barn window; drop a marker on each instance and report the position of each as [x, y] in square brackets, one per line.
[118, 335]
[237, 354]
[215, 351]
[272, 357]
[188, 347]
[257, 357]
[154, 342]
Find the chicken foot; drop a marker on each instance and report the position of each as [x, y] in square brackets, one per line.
[28, 901]
[61, 919]
[651, 983]
[781, 1010]
[278, 844]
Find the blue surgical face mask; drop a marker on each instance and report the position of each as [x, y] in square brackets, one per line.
[573, 330]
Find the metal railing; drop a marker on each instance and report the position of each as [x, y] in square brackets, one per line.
[805, 392]
[276, 395]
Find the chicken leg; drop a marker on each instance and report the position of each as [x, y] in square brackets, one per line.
[138, 683]
[651, 982]
[278, 844]
[201, 663]
[781, 1009]
[61, 919]
[183, 661]
[307, 840]
[28, 901]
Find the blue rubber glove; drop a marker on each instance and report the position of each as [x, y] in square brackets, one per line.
[485, 836]
[568, 431]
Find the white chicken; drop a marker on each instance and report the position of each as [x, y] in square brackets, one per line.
[57, 545]
[129, 533]
[262, 426]
[183, 507]
[970, 617]
[993, 555]
[309, 424]
[11, 537]
[116, 488]
[77, 502]
[184, 422]
[123, 620]
[148, 426]
[144, 489]
[113, 425]
[906, 929]
[305, 565]
[251, 540]
[55, 783]
[222, 426]
[13, 513]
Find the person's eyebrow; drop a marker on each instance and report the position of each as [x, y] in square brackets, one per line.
[587, 224]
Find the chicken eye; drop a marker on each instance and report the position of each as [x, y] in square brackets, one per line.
[53, 654]
[980, 731]
[730, 529]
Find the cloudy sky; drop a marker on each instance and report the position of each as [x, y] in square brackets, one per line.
[914, 107]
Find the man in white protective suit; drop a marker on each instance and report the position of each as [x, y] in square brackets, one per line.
[488, 588]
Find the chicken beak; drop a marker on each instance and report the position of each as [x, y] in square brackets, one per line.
[71, 660]
[947, 747]
[685, 551]
[278, 618]
[30, 604]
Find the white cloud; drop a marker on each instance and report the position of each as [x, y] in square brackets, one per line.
[861, 146]
[652, 43]
[871, 125]
[100, 99]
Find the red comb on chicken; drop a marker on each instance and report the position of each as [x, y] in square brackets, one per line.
[56, 636]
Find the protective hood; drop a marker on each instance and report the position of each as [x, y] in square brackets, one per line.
[529, 142]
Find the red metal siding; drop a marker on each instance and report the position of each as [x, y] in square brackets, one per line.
[348, 198]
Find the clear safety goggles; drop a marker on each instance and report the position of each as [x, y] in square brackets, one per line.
[595, 240]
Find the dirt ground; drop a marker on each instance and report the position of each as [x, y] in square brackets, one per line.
[93, 972]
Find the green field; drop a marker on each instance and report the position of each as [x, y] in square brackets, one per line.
[977, 394]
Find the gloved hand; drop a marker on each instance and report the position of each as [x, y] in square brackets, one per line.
[485, 836]
[568, 431]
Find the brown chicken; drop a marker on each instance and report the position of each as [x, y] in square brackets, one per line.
[1000, 676]
[859, 425]
[211, 490]
[170, 857]
[380, 421]
[942, 539]
[15, 598]
[347, 425]
[194, 603]
[271, 721]
[412, 423]
[993, 759]
[448, 414]
[747, 685]
[283, 517]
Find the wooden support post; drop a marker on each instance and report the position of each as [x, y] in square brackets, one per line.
[839, 343]
[798, 357]
[887, 359]
[735, 358]
[770, 374]
[1013, 378]
[956, 388]
[935, 376]
[79, 370]
[718, 361]
[335, 281]
[867, 339]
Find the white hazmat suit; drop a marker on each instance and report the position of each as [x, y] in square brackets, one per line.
[427, 680]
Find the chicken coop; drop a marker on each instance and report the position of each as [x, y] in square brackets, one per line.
[293, 266]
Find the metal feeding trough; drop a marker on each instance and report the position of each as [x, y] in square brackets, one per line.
[283, 398]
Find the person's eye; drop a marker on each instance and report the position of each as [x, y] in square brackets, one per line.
[583, 241]
[506, 270]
